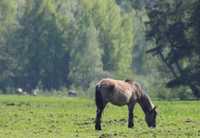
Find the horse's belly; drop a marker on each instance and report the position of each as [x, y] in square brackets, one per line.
[120, 99]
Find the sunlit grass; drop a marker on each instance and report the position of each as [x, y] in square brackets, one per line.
[26, 116]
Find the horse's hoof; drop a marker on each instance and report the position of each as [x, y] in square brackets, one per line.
[130, 125]
[97, 128]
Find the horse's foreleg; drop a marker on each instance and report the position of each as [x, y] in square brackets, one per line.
[130, 115]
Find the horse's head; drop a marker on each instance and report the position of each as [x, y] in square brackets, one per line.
[150, 118]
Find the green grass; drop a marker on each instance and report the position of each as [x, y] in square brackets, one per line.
[53, 117]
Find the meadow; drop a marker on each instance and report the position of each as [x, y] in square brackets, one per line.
[57, 117]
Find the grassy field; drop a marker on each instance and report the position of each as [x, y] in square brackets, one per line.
[53, 117]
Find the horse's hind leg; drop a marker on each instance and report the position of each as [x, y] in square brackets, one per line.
[100, 104]
[130, 114]
[100, 108]
[98, 118]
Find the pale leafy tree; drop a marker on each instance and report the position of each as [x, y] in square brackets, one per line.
[57, 43]
[85, 59]
[116, 35]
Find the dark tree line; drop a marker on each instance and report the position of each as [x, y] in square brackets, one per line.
[175, 28]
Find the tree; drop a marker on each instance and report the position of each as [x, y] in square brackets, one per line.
[85, 60]
[52, 44]
[170, 26]
[7, 25]
[41, 43]
[116, 35]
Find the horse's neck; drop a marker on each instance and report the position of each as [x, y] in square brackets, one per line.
[145, 103]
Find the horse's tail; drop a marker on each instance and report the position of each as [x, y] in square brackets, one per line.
[98, 97]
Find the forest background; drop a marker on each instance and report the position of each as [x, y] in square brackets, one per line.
[55, 46]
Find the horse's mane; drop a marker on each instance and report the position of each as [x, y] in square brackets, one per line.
[132, 82]
[144, 94]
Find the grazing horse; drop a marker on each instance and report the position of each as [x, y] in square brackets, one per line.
[123, 92]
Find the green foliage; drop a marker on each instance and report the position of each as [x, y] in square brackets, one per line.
[7, 16]
[116, 34]
[85, 55]
[170, 26]
[8, 24]
[51, 44]
[62, 43]
[40, 42]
